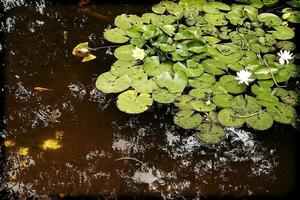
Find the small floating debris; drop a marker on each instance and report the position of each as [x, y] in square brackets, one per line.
[51, 144]
[42, 89]
[9, 143]
[82, 50]
[23, 151]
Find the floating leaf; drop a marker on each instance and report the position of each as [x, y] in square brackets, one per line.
[183, 102]
[283, 33]
[266, 99]
[203, 106]
[270, 19]
[115, 35]
[174, 83]
[282, 113]
[286, 45]
[124, 53]
[260, 90]
[201, 93]
[216, 19]
[187, 119]
[144, 86]
[203, 81]
[132, 103]
[227, 118]
[210, 133]
[163, 96]
[108, 83]
[292, 98]
[261, 121]
[214, 7]
[222, 100]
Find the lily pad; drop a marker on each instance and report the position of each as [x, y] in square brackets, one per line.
[203, 106]
[210, 133]
[270, 19]
[187, 119]
[282, 113]
[163, 96]
[203, 81]
[216, 19]
[227, 118]
[124, 53]
[261, 121]
[283, 33]
[222, 100]
[108, 83]
[133, 103]
[144, 86]
[174, 83]
[183, 102]
[115, 35]
[266, 99]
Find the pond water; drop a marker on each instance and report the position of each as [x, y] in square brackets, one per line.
[104, 152]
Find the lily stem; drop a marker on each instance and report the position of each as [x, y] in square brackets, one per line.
[273, 77]
[104, 47]
[246, 116]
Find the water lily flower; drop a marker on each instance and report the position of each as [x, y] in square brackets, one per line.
[243, 76]
[285, 56]
[138, 53]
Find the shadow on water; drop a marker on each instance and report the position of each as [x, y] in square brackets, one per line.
[104, 152]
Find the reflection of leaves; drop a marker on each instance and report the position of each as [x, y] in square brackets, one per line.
[132, 103]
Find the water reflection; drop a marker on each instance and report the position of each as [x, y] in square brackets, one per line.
[103, 151]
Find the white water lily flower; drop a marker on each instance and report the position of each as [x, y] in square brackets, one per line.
[138, 53]
[243, 76]
[285, 56]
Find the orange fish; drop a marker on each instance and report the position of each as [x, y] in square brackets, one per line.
[42, 89]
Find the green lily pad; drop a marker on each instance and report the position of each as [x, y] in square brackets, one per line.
[121, 67]
[270, 19]
[108, 83]
[214, 67]
[227, 118]
[267, 99]
[292, 98]
[201, 93]
[214, 7]
[203, 81]
[210, 133]
[174, 83]
[283, 33]
[187, 119]
[286, 45]
[222, 100]
[183, 102]
[192, 71]
[124, 53]
[196, 46]
[216, 19]
[245, 106]
[159, 8]
[144, 86]
[132, 103]
[115, 35]
[203, 106]
[282, 113]
[163, 96]
[126, 21]
[255, 89]
[262, 121]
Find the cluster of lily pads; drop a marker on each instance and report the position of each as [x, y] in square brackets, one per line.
[220, 65]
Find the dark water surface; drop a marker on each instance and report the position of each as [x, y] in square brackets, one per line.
[163, 160]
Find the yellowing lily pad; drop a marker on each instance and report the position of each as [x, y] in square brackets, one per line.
[133, 103]
[9, 143]
[187, 119]
[23, 151]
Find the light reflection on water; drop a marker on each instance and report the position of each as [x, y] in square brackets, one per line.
[105, 152]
